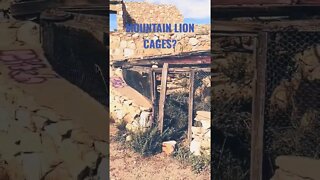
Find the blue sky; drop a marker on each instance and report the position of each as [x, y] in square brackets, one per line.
[193, 11]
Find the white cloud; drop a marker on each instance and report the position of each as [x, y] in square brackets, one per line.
[197, 9]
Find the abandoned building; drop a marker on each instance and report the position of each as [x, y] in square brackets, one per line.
[144, 82]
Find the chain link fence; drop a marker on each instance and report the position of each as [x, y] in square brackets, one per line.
[232, 84]
[292, 96]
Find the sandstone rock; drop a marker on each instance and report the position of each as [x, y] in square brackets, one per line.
[132, 45]
[145, 119]
[90, 158]
[81, 136]
[207, 134]
[101, 147]
[30, 142]
[196, 131]
[117, 52]
[129, 138]
[32, 167]
[48, 113]
[205, 144]
[120, 114]
[64, 126]
[135, 36]
[23, 116]
[168, 147]
[71, 154]
[102, 173]
[195, 147]
[127, 103]
[203, 115]
[59, 172]
[206, 124]
[39, 121]
[123, 44]
[128, 52]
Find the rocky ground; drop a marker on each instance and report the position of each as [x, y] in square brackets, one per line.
[127, 165]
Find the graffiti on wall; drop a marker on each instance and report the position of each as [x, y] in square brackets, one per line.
[117, 82]
[24, 66]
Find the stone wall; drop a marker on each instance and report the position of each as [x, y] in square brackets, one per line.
[143, 12]
[130, 45]
[296, 168]
[201, 134]
[126, 104]
[41, 144]
[78, 44]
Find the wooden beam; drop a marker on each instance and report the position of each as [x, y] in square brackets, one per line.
[190, 108]
[296, 11]
[246, 28]
[152, 92]
[258, 104]
[170, 70]
[163, 92]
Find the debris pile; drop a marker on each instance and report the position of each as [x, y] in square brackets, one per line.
[201, 134]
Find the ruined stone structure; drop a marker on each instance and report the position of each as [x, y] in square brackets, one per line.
[142, 12]
[127, 104]
[125, 45]
[130, 45]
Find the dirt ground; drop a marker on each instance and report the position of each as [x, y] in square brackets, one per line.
[128, 165]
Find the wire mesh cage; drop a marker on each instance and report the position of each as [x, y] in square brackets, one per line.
[292, 96]
[232, 84]
[202, 93]
[176, 105]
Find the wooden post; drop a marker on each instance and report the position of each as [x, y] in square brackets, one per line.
[258, 104]
[163, 92]
[190, 108]
[152, 92]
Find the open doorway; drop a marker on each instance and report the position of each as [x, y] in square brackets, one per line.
[113, 22]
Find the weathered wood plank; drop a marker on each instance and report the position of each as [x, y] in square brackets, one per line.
[163, 92]
[295, 11]
[190, 108]
[250, 28]
[152, 91]
[258, 104]
[249, 2]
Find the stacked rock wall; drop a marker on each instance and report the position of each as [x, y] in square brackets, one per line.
[126, 104]
[143, 12]
[130, 45]
[201, 134]
[41, 144]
